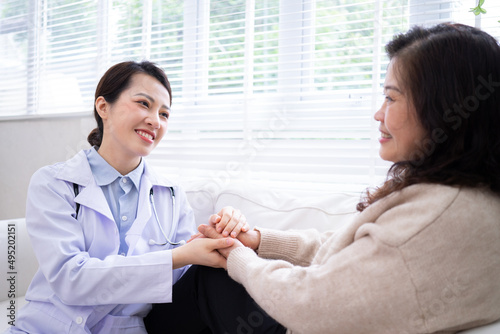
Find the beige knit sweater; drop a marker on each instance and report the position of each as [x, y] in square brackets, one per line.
[422, 260]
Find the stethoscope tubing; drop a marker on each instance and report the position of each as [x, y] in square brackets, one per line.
[167, 239]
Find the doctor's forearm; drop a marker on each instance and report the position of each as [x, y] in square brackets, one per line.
[180, 257]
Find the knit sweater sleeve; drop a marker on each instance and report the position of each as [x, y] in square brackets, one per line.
[357, 280]
[296, 247]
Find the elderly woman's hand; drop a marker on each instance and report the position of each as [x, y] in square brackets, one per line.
[229, 222]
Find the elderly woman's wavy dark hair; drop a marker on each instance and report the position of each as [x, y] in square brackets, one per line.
[451, 74]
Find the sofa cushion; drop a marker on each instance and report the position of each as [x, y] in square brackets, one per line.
[287, 210]
[493, 328]
[202, 202]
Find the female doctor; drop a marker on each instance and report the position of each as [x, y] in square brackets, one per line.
[108, 231]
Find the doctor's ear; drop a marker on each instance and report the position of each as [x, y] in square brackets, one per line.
[102, 107]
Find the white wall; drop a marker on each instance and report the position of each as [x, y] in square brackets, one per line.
[27, 145]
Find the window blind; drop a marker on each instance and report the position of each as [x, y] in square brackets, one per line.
[14, 55]
[278, 92]
[281, 93]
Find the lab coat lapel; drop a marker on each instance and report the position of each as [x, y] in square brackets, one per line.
[77, 170]
[92, 197]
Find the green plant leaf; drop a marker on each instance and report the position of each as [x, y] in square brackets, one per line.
[478, 9]
[475, 11]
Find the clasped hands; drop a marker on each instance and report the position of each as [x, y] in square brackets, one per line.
[211, 246]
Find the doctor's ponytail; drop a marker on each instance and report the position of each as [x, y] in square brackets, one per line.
[115, 81]
[95, 137]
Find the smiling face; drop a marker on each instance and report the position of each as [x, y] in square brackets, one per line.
[135, 123]
[401, 132]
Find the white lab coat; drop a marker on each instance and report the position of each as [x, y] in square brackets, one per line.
[81, 278]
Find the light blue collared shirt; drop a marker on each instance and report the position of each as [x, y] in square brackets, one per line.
[121, 192]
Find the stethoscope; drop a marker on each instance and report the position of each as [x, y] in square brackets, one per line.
[151, 241]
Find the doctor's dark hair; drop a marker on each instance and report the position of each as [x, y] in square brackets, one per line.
[451, 75]
[117, 79]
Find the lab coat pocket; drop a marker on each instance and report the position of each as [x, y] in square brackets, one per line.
[112, 324]
[44, 318]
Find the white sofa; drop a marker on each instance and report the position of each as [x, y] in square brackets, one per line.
[261, 207]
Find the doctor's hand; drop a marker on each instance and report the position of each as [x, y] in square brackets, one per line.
[209, 231]
[229, 222]
[202, 251]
